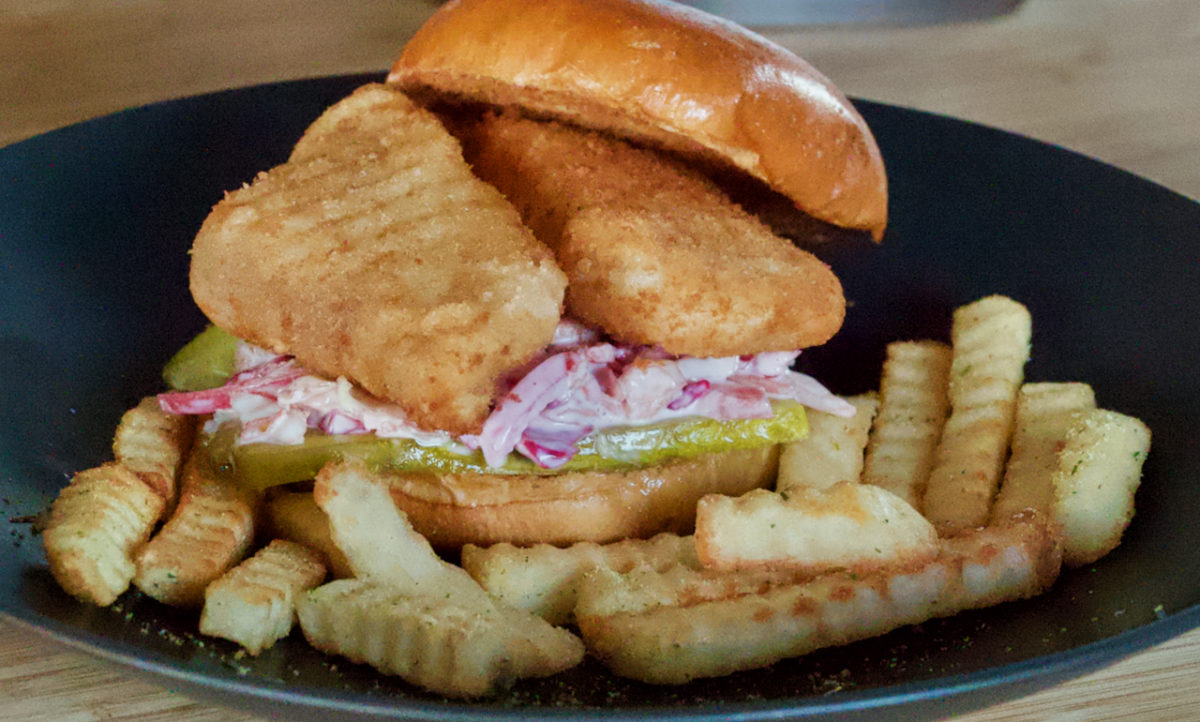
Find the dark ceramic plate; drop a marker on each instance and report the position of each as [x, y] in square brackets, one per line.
[96, 219]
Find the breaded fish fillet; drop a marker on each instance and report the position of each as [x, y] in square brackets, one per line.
[373, 253]
[655, 253]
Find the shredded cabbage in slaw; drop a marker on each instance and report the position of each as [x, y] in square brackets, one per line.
[578, 385]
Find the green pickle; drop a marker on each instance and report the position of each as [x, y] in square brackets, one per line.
[205, 362]
[259, 466]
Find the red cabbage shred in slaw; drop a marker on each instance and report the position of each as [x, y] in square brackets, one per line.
[578, 385]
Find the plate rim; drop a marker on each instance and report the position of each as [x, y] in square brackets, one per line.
[1057, 666]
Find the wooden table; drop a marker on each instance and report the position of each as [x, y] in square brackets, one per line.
[1114, 79]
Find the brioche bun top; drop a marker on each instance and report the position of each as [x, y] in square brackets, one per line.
[662, 74]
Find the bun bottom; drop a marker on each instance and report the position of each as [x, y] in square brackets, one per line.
[484, 509]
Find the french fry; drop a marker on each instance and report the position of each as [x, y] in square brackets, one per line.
[450, 646]
[846, 526]
[991, 345]
[408, 600]
[254, 604]
[153, 444]
[833, 555]
[293, 515]
[913, 403]
[96, 524]
[378, 541]
[680, 625]
[832, 451]
[545, 579]
[1099, 471]
[1044, 413]
[210, 531]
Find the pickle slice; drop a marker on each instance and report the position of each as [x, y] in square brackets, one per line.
[260, 466]
[205, 362]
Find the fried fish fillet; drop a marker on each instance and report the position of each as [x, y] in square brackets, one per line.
[374, 254]
[655, 253]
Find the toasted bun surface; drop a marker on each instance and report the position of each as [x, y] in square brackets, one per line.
[455, 509]
[664, 74]
[374, 253]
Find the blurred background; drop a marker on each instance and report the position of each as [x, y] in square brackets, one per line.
[1114, 79]
[845, 12]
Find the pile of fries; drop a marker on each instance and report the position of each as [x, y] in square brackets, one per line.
[957, 485]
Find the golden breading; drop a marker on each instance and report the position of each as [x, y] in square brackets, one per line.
[655, 253]
[374, 253]
[849, 526]
[153, 444]
[254, 604]
[211, 530]
[544, 579]
[448, 645]
[95, 525]
[674, 626]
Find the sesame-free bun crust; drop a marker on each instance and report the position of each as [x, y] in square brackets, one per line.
[663, 74]
[483, 509]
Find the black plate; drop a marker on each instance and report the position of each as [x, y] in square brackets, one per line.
[95, 221]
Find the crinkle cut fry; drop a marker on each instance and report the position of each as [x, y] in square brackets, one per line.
[1098, 474]
[153, 444]
[544, 579]
[913, 404]
[211, 530]
[442, 647]
[363, 520]
[670, 629]
[833, 450]
[295, 516]
[391, 557]
[991, 339]
[847, 526]
[452, 646]
[1044, 413]
[254, 604]
[96, 524]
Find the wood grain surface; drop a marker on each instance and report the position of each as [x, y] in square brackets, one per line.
[1114, 79]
